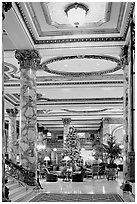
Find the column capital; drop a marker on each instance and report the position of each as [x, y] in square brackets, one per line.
[66, 120]
[6, 6]
[28, 58]
[12, 112]
[124, 56]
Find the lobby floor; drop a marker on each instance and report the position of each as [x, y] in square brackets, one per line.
[88, 186]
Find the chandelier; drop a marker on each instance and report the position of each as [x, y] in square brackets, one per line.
[76, 14]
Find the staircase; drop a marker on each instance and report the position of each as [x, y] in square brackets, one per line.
[19, 192]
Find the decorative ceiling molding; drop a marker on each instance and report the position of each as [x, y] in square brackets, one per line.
[14, 99]
[68, 83]
[70, 78]
[10, 101]
[81, 74]
[87, 111]
[88, 99]
[98, 39]
[48, 17]
[56, 103]
[10, 68]
[47, 112]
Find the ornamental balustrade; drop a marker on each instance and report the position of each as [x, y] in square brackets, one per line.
[20, 173]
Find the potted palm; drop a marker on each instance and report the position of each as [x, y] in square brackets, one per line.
[112, 149]
[108, 149]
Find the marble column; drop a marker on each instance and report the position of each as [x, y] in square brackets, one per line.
[106, 126]
[40, 135]
[131, 110]
[12, 137]
[129, 155]
[45, 137]
[125, 114]
[29, 61]
[66, 122]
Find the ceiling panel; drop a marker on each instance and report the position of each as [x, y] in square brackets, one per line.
[87, 97]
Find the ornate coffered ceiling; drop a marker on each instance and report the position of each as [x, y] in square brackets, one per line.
[80, 76]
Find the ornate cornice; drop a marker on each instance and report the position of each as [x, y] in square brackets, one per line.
[72, 40]
[28, 58]
[69, 83]
[81, 74]
[6, 6]
[87, 99]
[84, 101]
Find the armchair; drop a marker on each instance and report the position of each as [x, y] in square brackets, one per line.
[95, 170]
[77, 176]
[50, 177]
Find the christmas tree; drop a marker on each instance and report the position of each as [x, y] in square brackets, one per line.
[72, 146]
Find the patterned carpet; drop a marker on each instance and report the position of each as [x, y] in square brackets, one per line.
[45, 197]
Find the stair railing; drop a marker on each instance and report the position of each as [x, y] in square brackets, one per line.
[20, 173]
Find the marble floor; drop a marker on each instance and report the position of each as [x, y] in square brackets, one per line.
[88, 186]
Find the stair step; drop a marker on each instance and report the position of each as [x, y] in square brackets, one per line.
[24, 197]
[13, 186]
[17, 191]
[11, 181]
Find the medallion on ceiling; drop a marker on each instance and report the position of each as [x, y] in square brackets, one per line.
[81, 65]
[91, 14]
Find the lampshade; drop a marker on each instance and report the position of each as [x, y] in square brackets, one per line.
[66, 158]
[40, 146]
[46, 158]
[76, 13]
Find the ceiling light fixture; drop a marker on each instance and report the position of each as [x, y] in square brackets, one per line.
[76, 13]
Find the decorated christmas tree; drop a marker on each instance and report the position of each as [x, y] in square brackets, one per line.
[72, 146]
